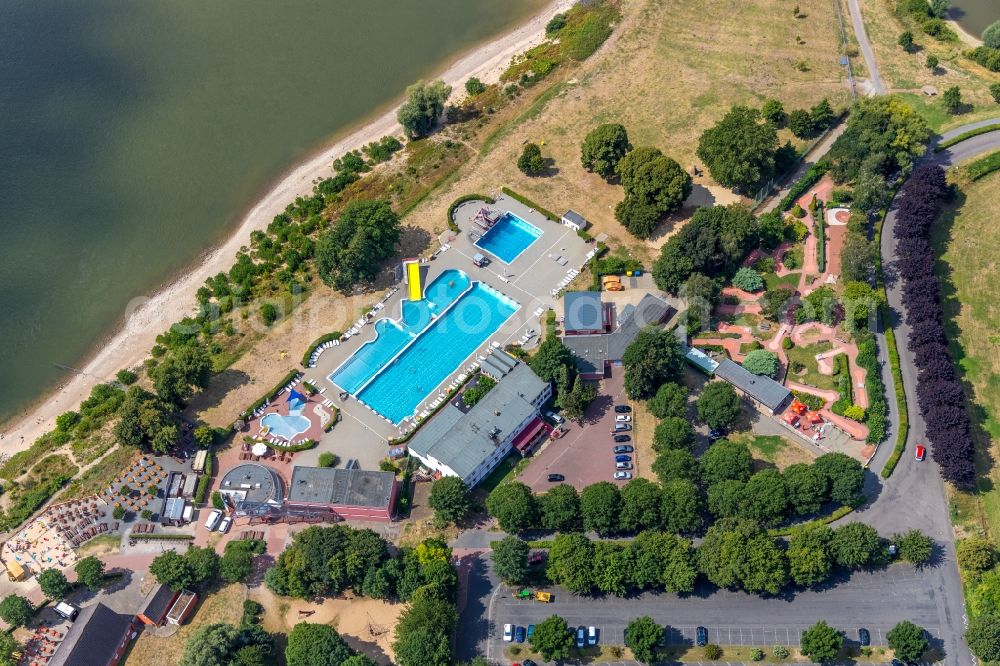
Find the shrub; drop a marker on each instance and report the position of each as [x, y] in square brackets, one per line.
[126, 377]
[268, 314]
[780, 652]
[531, 162]
[118, 512]
[217, 500]
[798, 211]
[712, 651]
[786, 343]
[146, 514]
[327, 459]
[474, 86]
[757, 654]
[906, 41]
[748, 279]
[762, 362]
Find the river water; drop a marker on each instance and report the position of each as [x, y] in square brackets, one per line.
[975, 15]
[134, 134]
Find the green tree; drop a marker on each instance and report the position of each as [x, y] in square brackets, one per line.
[662, 560]
[203, 562]
[474, 86]
[531, 162]
[612, 568]
[856, 545]
[976, 555]
[809, 557]
[571, 563]
[560, 508]
[748, 279]
[327, 459]
[601, 506]
[983, 637]
[952, 99]
[643, 635]
[603, 148]
[639, 217]
[726, 460]
[90, 572]
[450, 499]
[673, 433]
[424, 646]
[210, 645]
[652, 359]
[905, 40]
[995, 92]
[574, 403]
[8, 648]
[513, 505]
[145, 421]
[551, 359]
[807, 488]
[822, 115]
[237, 561]
[739, 149]
[771, 230]
[765, 497]
[670, 401]
[882, 134]
[641, 502]
[801, 124]
[762, 362]
[675, 464]
[821, 642]
[422, 108]
[53, 583]
[991, 36]
[315, 645]
[183, 370]
[845, 477]
[915, 547]
[15, 610]
[352, 250]
[173, 570]
[907, 641]
[774, 301]
[652, 177]
[725, 498]
[552, 639]
[773, 112]
[682, 506]
[718, 405]
[931, 62]
[737, 553]
[510, 559]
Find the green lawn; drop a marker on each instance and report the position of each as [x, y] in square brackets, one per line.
[933, 111]
[773, 281]
[805, 356]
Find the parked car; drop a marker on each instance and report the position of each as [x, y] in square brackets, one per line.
[556, 477]
[623, 476]
[623, 448]
[535, 557]
[213, 519]
[530, 633]
[591, 635]
[555, 417]
[622, 427]
[622, 409]
[864, 638]
[623, 458]
[623, 418]
[581, 636]
[623, 465]
[702, 636]
[921, 453]
[519, 634]
[224, 525]
[623, 438]
[715, 434]
[528, 662]
[508, 633]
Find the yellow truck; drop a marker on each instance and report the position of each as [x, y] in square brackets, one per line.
[545, 597]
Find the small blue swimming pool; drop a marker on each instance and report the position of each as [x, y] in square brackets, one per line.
[509, 237]
[285, 427]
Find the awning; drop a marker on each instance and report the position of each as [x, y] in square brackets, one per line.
[527, 436]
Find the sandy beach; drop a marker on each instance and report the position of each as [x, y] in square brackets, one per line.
[147, 316]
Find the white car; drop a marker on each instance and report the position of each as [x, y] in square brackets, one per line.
[224, 525]
[623, 418]
[623, 465]
[213, 519]
[623, 476]
[508, 633]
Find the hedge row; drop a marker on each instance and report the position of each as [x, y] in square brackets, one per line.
[321, 340]
[877, 408]
[984, 166]
[206, 478]
[966, 135]
[292, 448]
[148, 536]
[836, 514]
[897, 380]
[530, 204]
[819, 215]
[810, 178]
[292, 374]
[461, 200]
[28, 502]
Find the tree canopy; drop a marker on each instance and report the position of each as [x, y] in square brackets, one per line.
[642, 636]
[145, 421]
[718, 405]
[601, 504]
[821, 642]
[560, 508]
[908, 641]
[552, 639]
[603, 148]
[513, 505]
[450, 499]
[422, 108]
[762, 362]
[531, 162]
[53, 583]
[739, 149]
[725, 460]
[653, 358]
[670, 400]
[883, 134]
[673, 432]
[316, 645]
[651, 181]
[90, 571]
[510, 559]
[15, 610]
[738, 554]
[353, 249]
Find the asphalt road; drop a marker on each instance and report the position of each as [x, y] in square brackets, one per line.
[874, 76]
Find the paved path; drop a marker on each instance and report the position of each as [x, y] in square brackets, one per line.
[874, 77]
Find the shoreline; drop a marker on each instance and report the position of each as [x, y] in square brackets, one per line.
[147, 316]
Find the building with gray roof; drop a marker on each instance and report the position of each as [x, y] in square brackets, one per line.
[469, 445]
[498, 364]
[574, 220]
[353, 494]
[98, 637]
[763, 391]
[595, 352]
[584, 313]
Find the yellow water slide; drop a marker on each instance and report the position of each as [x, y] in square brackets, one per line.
[413, 280]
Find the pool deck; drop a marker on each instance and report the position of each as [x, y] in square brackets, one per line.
[529, 280]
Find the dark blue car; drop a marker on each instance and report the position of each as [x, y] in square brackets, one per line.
[581, 636]
[519, 634]
[623, 458]
[702, 633]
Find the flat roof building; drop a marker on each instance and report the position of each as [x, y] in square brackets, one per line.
[574, 220]
[763, 391]
[353, 494]
[584, 313]
[595, 352]
[470, 444]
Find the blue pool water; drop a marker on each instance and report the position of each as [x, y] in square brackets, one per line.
[508, 238]
[285, 427]
[391, 336]
[437, 352]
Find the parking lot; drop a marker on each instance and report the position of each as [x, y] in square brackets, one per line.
[584, 454]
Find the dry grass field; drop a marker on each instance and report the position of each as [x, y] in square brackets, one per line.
[967, 237]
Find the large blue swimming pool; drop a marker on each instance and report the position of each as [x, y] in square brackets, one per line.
[393, 378]
[509, 237]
